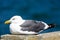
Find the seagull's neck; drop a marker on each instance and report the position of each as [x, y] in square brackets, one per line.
[21, 22]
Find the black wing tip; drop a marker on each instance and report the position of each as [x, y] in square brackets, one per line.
[52, 25]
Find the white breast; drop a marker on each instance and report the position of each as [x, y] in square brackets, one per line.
[14, 28]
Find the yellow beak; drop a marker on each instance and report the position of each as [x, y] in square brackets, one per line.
[7, 22]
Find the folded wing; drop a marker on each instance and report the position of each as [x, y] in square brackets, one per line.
[31, 25]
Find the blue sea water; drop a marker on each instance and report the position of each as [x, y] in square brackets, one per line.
[42, 10]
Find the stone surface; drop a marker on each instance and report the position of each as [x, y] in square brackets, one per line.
[44, 36]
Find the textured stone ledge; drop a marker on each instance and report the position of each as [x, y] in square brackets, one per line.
[45, 36]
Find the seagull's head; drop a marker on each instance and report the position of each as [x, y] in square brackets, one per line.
[14, 19]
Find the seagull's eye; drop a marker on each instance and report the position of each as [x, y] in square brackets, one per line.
[13, 19]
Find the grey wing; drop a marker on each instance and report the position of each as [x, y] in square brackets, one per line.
[28, 23]
[34, 27]
[37, 27]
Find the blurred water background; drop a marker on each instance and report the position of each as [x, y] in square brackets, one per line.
[42, 10]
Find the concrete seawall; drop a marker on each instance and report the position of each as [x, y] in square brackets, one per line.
[44, 36]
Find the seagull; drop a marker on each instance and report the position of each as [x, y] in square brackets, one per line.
[20, 26]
